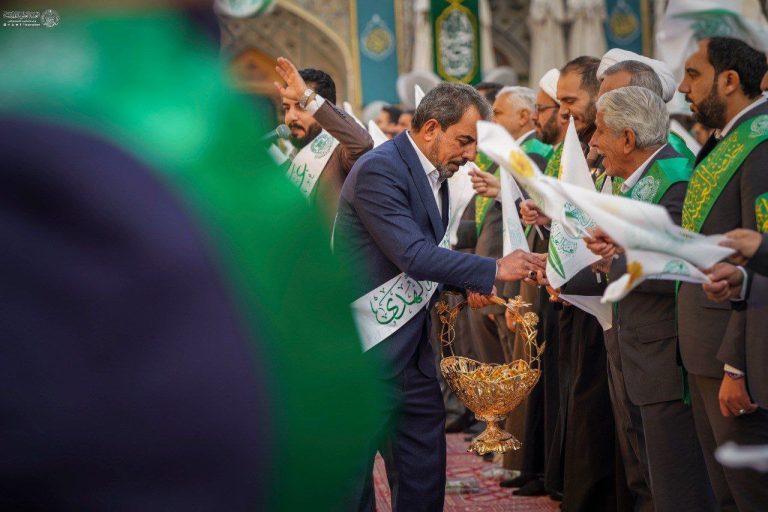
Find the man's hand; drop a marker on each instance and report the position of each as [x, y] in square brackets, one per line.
[726, 282]
[602, 245]
[745, 241]
[734, 399]
[294, 84]
[485, 183]
[532, 214]
[478, 300]
[519, 265]
[509, 319]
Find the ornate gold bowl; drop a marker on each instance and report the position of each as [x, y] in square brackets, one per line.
[491, 391]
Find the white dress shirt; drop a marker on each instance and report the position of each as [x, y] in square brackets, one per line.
[630, 182]
[431, 171]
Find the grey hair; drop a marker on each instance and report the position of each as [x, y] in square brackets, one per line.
[447, 103]
[641, 75]
[639, 110]
[522, 97]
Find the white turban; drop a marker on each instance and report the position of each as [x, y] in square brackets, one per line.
[548, 83]
[616, 55]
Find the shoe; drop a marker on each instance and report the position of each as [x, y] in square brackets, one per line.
[518, 481]
[533, 488]
[556, 495]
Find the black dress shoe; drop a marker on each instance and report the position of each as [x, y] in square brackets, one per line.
[518, 481]
[556, 495]
[533, 488]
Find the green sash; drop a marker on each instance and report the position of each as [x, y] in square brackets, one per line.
[713, 173]
[656, 181]
[680, 146]
[535, 147]
[761, 212]
[482, 203]
[553, 166]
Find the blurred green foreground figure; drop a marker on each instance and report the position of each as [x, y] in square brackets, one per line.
[176, 333]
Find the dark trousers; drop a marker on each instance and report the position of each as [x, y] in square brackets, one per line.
[679, 480]
[633, 478]
[413, 445]
[739, 489]
[589, 476]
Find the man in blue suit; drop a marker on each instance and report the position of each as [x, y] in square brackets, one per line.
[391, 221]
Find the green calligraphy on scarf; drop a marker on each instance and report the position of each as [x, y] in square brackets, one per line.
[393, 302]
[761, 212]
[149, 84]
[654, 183]
[710, 177]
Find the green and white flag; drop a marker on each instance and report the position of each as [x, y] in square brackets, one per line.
[656, 248]
[568, 253]
[496, 137]
[376, 134]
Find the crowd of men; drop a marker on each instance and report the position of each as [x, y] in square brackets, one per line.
[623, 419]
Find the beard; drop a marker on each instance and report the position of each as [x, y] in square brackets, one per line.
[443, 168]
[309, 134]
[711, 110]
[550, 131]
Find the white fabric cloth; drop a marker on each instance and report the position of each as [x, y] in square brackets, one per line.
[422, 44]
[663, 71]
[676, 36]
[545, 21]
[548, 83]
[487, 58]
[587, 36]
[314, 105]
[630, 182]
[430, 171]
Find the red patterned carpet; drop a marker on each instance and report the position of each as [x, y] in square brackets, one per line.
[490, 498]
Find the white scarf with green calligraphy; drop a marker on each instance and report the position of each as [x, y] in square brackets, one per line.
[309, 163]
[385, 309]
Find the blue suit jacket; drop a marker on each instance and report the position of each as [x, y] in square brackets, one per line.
[387, 223]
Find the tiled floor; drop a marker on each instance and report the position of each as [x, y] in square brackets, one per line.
[461, 464]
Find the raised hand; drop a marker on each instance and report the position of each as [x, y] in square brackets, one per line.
[532, 214]
[485, 183]
[294, 85]
[745, 241]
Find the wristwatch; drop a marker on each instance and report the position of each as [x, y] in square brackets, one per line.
[734, 375]
[305, 97]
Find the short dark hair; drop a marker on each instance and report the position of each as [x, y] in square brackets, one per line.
[489, 90]
[447, 103]
[641, 75]
[392, 112]
[321, 82]
[727, 53]
[586, 67]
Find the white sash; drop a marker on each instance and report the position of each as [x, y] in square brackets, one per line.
[309, 163]
[385, 309]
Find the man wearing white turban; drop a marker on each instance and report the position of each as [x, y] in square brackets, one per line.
[616, 55]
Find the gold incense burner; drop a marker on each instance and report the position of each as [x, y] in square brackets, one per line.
[491, 391]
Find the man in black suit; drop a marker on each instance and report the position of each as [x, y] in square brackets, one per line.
[631, 135]
[722, 83]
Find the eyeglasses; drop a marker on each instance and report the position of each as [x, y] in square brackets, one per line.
[544, 108]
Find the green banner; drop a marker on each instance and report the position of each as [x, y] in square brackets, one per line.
[456, 35]
[378, 50]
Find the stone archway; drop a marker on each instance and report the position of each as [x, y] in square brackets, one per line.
[253, 44]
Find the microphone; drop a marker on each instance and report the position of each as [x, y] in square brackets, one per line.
[281, 132]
